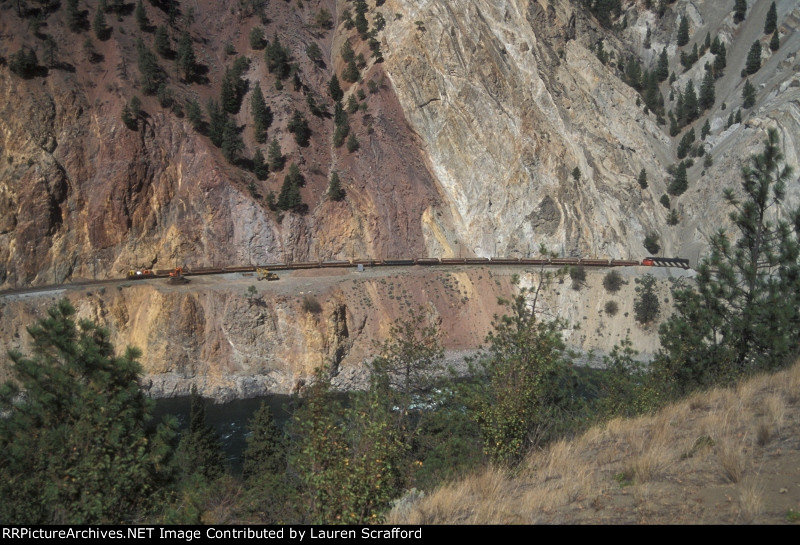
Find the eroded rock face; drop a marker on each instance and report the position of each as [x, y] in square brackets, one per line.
[83, 197]
[507, 105]
[508, 99]
[217, 334]
[481, 112]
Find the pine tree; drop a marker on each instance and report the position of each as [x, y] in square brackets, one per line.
[260, 168]
[748, 94]
[352, 143]
[739, 10]
[714, 48]
[524, 385]
[140, 14]
[347, 52]
[741, 314]
[334, 89]
[50, 48]
[642, 179]
[77, 447]
[200, 449]
[352, 104]
[195, 115]
[683, 32]
[361, 23]
[662, 69]
[720, 61]
[231, 141]
[161, 42]
[340, 134]
[673, 218]
[706, 130]
[771, 22]
[314, 54]
[74, 16]
[646, 306]
[290, 198]
[128, 118]
[299, 126]
[339, 115]
[186, 59]
[350, 72]
[690, 102]
[277, 58]
[257, 39]
[335, 190]
[217, 119]
[680, 182]
[228, 97]
[753, 59]
[775, 41]
[271, 495]
[262, 115]
[115, 6]
[274, 156]
[685, 143]
[707, 93]
[149, 70]
[680, 109]
[101, 30]
[266, 446]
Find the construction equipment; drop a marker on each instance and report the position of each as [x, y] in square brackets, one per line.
[264, 274]
[140, 274]
[176, 276]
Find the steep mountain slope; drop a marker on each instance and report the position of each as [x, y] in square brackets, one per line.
[509, 99]
[470, 134]
[481, 128]
[83, 196]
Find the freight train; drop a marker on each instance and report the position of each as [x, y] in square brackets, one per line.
[140, 274]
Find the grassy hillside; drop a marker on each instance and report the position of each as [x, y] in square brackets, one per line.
[724, 456]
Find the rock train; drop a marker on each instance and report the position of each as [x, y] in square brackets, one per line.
[141, 274]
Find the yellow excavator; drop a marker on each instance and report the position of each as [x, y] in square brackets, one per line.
[264, 274]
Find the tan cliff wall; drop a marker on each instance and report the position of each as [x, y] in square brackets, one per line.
[214, 333]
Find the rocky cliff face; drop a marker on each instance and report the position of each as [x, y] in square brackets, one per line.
[508, 99]
[469, 130]
[82, 196]
[217, 334]
[508, 103]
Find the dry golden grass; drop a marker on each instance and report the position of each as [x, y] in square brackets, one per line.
[775, 410]
[732, 458]
[751, 502]
[695, 461]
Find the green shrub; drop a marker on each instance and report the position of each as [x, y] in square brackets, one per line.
[612, 281]
[311, 305]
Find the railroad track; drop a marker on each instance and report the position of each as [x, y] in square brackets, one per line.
[149, 274]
